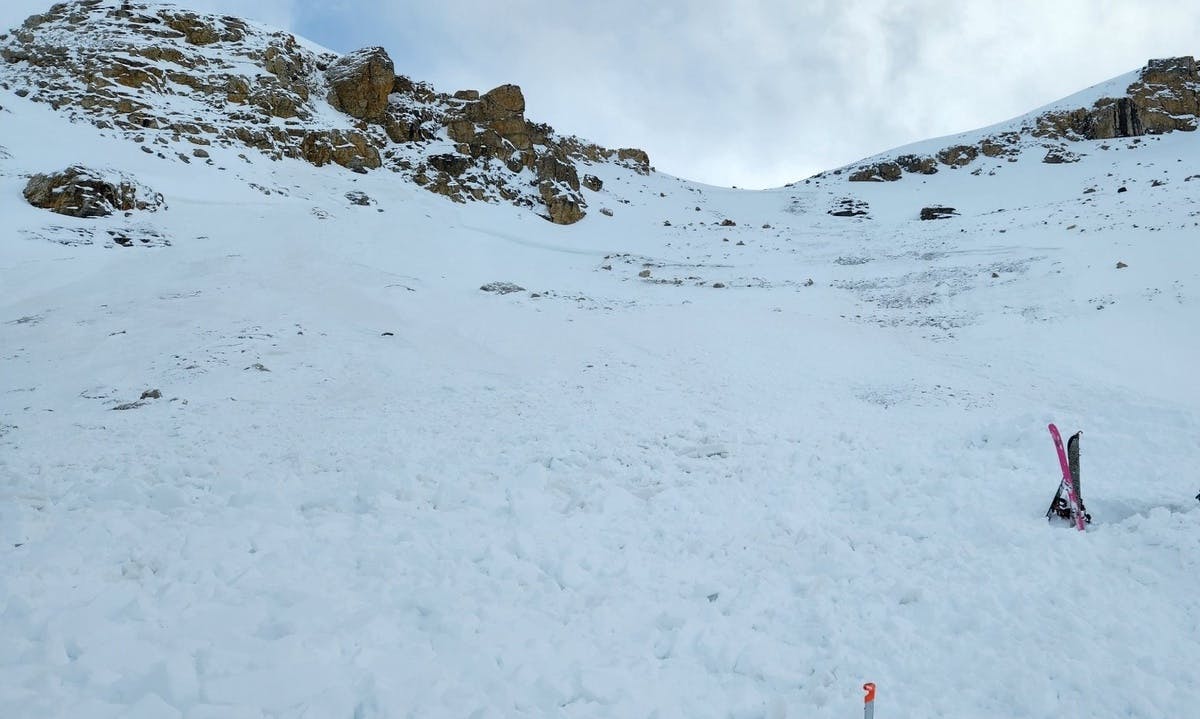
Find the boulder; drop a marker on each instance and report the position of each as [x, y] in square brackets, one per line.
[359, 83]
[502, 288]
[1059, 155]
[937, 213]
[80, 192]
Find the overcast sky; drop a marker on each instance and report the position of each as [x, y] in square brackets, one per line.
[753, 93]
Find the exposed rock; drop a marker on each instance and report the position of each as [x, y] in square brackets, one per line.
[347, 148]
[937, 213]
[500, 103]
[563, 208]
[554, 170]
[200, 31]
[357, 197]
[1165, 98]
[1006, 143]
[359, 83]
[1121, 265]
[450, 163]
[879, 172]
[958, 155]
[405, 129]
[849, 207]
[80, 192]
[161, 77]
[502, 288]
[635, 158]
[1059, 155]
[593, 183]
[921, 164]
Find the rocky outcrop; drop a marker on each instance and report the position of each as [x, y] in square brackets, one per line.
[1164, 98]
[920, 164]
[957, 155]
[359, 83]
[80, 192]
[879, 172]
[177, 81]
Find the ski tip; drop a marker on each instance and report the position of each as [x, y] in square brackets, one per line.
[869, 688]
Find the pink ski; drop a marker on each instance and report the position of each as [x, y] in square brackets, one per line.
[1067, 481]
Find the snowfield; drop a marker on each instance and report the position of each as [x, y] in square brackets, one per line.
[370, 489]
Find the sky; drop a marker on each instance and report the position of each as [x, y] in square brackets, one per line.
[755, 93]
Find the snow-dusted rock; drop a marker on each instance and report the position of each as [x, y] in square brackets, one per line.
[81, 192]
[360, 82]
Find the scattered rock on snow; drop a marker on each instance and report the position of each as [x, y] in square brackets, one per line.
[357, 197]
[502, 288]
[1121, 265]
[1059, 155]
[937, 213]
[849, 207]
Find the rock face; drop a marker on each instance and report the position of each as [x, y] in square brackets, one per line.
[80, 192]
[1164, 98]
[124, 65]
[359, 83]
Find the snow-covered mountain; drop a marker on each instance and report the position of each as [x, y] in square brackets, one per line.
[283, 434]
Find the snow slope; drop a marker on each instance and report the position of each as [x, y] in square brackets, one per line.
[370, 489]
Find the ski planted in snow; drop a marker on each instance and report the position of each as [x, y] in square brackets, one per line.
[1071, 506]
[1073, 463]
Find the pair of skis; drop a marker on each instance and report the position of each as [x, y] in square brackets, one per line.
[1071, 506]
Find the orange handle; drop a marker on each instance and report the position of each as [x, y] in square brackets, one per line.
[869, 688]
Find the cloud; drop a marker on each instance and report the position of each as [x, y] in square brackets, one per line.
[756, 93]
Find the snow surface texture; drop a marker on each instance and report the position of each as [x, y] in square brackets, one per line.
[370, 489]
